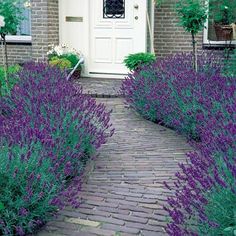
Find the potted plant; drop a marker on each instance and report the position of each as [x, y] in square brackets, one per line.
[135, 61]
[224, 15]
[65, 58]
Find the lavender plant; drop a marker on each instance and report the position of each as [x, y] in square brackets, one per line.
[28, 188]
[200, 105]
[166, 90]
[205, 192]
[52, 129]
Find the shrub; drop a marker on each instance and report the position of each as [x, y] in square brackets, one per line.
[27, 188]
[230, 65]
[134, 61]
[200, 105]
[72, 58]
[166, 91]
[61, 63]
[204, 201]
[48, 130]
[12, 79]
[64, 53]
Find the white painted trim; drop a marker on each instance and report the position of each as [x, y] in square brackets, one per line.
[18, 39]
[105, 76]
[153, 22]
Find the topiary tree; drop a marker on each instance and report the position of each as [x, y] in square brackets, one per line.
[192, 17]
[11, 11]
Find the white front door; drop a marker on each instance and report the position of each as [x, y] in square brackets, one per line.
[117, 28]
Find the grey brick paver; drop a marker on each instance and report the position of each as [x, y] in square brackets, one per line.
[119, 228]
[100, 232]
[124, 192]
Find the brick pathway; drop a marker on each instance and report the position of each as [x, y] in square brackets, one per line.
[122, 194]
[98, 87]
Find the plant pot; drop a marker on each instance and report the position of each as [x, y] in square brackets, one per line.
[76, 74]
[223, 32]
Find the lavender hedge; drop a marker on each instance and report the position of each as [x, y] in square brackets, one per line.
[205, 190]
[201, 105]
[166, 91]
[48, 128]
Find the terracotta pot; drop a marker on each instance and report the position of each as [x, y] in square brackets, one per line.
[223, 32]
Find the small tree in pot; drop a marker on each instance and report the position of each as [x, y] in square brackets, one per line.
[223, 14]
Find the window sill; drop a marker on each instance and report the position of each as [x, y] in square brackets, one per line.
[18, 39]
[219, 44]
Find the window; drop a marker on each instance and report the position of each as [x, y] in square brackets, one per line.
[113, 8]
[23, 33]
[220, 28]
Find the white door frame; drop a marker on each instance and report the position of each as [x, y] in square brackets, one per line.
[86, 35]
[103, 75]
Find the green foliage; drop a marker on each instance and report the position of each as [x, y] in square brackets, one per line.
[192, 15]
[223, 11]
[17, 177]
[158, 2]
[229, 69]
[62, 63]
[221, 209]
[134, 61]
[64, 52]
[47, 135]
[72, 58]
[11, 12]
[221, 205]
[12, 79]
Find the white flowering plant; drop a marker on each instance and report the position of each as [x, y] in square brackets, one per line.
[64, 54]
[2, 21]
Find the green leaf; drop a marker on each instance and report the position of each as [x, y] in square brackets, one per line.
[2, 207]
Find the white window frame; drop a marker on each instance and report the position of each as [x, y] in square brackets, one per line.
[213, 43]
[19, 38]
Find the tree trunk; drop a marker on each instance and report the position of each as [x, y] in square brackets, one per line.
[194, 52]
[6, 55]
[5, 59]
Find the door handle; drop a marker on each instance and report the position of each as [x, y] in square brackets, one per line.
[136, 6]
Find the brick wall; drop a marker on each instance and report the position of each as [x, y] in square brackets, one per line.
[45, 26]
[53, 22]
[17, 53]
[168, 36]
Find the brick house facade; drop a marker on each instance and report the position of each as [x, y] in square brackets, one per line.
[168, 36]
[44, 30]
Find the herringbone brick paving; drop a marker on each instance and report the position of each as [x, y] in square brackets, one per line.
[122, 194]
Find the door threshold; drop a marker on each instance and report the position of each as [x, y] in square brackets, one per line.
[107, 75]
